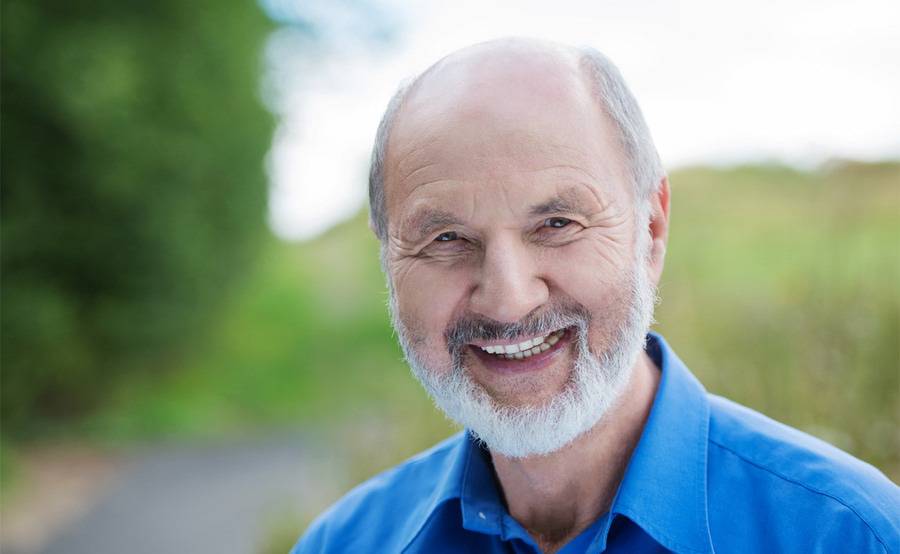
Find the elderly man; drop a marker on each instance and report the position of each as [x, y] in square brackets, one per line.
[523, 217]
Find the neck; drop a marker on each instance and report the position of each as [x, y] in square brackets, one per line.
[558, 495]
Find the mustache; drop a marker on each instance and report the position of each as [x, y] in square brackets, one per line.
[471, 327]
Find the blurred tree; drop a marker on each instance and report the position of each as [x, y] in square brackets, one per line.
[133, 192]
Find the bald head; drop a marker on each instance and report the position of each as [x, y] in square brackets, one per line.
[532, 91]
[498, 76]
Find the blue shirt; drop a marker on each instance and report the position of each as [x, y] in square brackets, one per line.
[707, 475]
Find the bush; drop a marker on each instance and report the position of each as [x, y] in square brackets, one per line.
[133, 188]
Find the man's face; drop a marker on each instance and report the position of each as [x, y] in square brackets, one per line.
[512, 227]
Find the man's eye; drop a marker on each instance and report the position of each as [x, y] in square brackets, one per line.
[446, 237]
[557, 222]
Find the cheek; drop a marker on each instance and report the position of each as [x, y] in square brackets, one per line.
[589, 273]
[427, 298]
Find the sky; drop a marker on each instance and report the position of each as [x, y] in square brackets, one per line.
[794, 81]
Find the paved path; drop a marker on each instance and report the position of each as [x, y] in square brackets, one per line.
[223, 498]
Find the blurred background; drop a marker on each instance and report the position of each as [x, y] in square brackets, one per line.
[196, 354]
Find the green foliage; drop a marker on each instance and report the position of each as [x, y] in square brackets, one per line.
[133, 189]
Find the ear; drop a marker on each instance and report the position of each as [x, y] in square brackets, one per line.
[659, 229]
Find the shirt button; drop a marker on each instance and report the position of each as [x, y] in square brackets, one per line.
[481, 515]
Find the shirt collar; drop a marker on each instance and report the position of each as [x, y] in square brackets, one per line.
[664, 487]
[480, 500]
[467, 475]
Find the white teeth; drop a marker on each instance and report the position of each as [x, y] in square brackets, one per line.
[526, 348]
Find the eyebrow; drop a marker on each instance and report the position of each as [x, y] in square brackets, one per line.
[566, 203]
[428, 220]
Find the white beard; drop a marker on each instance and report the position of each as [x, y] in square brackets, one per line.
[595, 384]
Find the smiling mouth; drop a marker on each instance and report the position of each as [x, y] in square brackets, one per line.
[524, 349]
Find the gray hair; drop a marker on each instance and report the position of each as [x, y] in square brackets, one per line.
[614, 96]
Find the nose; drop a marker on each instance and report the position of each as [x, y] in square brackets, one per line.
[509, 284]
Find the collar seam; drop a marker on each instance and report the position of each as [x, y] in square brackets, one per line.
[465, 479]
[703, 470]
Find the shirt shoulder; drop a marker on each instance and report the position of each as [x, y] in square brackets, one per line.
[768, 479]
[382, 513]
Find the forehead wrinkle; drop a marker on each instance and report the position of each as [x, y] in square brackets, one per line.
[580, 170]
[613, 165]
[406, 159]
[415, 155]
[411, 176]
